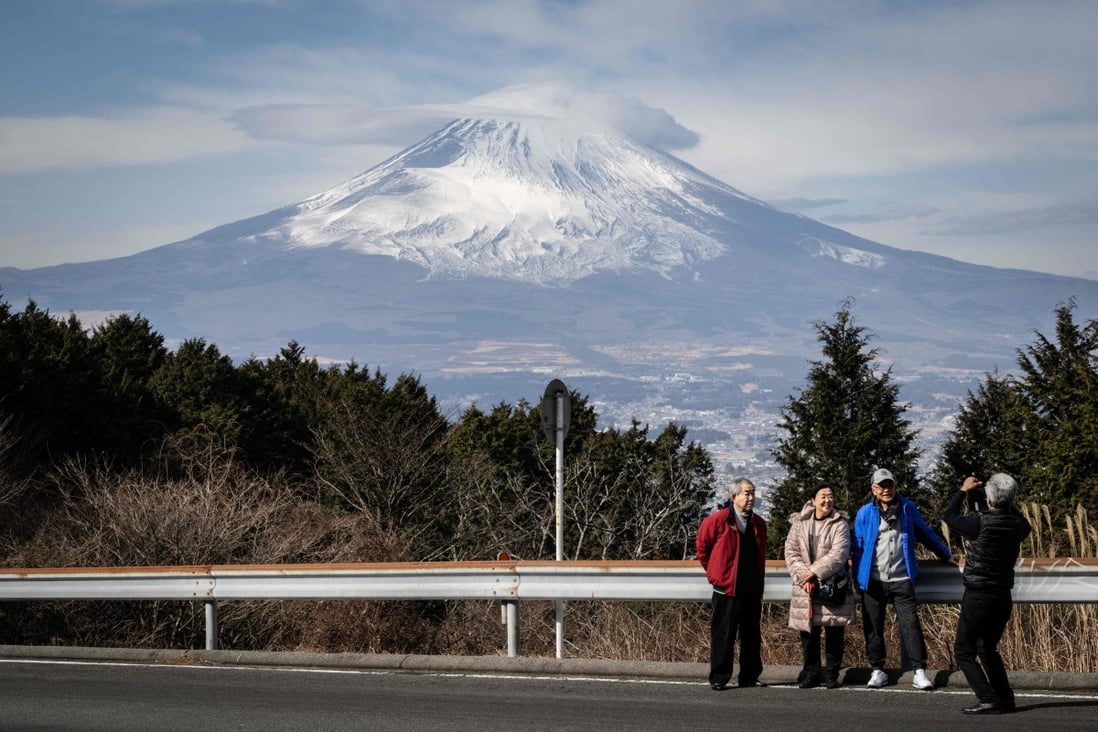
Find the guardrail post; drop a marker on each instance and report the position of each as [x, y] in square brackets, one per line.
[514, 647]
[211, 624]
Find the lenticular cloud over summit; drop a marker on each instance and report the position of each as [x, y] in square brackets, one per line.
[346, 124]
[629, 116]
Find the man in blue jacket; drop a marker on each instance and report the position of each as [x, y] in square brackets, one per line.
[885, 532]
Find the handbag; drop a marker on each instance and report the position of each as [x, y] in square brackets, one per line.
[831, 591]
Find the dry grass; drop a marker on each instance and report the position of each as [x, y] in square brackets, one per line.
[216, 513]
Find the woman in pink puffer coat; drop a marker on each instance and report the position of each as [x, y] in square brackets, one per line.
[818, 548]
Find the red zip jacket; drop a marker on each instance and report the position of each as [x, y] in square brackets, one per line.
[718, 548]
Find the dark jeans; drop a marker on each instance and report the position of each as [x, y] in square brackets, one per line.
[875, 598]
[732, 615]
[834, 645]
[984, 616]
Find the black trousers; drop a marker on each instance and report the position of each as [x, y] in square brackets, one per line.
[732, 616]
[834, 646]
[984, 617]
[875, 598]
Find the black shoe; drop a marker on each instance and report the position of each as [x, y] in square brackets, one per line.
[984, 708]
[1007, 707]
[717, 687]
[809, 682]
[751, 684]
[832, 682]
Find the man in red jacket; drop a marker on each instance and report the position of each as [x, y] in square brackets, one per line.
[732, 549]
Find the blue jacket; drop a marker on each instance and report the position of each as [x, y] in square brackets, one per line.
[912, 528]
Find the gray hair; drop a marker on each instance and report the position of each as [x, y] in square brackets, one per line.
[737, 486]
[1001, 490]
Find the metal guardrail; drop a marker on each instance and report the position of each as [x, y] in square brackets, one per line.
[1037, 581]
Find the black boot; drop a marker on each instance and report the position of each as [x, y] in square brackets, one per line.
[808, 679]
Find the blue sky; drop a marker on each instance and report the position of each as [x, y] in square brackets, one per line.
[968, 129]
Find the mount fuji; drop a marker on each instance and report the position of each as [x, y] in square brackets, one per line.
[520, 242]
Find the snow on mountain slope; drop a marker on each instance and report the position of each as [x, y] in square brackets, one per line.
[538, 199]
[822, 248]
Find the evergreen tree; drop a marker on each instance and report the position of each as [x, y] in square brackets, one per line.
[202, 388]
[509, 437]
[501, 477]
[994, 431]
[629, 496]
[127, 352]
[841, 426]
[47, 387]
[283, 398]
[380, 451]
[1041, 427]
[68, 393]
[1060, 381]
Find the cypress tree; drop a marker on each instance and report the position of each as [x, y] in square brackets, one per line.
[1060, 380]
[840, 427]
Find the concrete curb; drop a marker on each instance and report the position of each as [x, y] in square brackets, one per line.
[591, 667]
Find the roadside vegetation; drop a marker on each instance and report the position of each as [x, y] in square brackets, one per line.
[117, 451]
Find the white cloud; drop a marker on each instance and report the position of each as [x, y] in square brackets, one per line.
[881, 93]
[347, 124]
[332, 124]
[289, 73]
[631, 116]
[144, 138]
[1014, 220]
[27, 251]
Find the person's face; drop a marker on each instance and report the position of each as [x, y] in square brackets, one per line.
[824, 502]
[885, 491]
[744, 501]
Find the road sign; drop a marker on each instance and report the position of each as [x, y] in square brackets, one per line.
[549, 409]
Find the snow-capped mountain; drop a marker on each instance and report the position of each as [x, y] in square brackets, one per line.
[510, 245]
[539, 200]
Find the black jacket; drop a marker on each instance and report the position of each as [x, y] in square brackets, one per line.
[996, 539]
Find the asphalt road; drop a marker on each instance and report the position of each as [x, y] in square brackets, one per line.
[66, 695]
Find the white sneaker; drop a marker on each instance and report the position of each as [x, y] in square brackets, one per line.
[877, 679]
[920, 680]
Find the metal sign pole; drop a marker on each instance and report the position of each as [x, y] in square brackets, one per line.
[556, 413]
[560, 513]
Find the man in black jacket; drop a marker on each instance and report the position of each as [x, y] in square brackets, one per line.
[996, 536]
